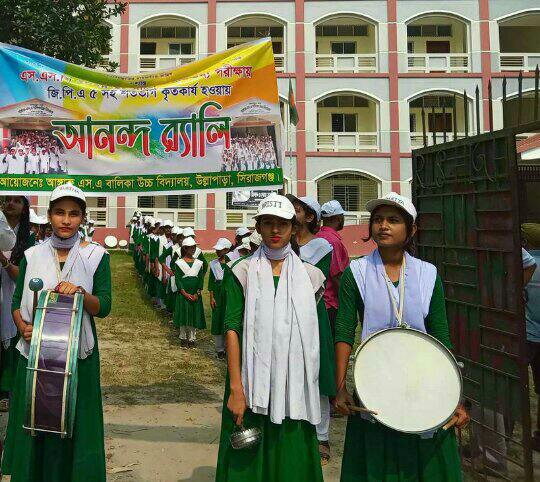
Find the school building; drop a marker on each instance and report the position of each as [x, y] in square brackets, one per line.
[361, 71]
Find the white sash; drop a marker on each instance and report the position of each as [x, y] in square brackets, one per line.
[217, 269]
[315, 250]
[188, 270]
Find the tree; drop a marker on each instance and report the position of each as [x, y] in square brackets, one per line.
[71, 30]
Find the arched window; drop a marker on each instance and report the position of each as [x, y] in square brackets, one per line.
[351, 189]
[519, 42]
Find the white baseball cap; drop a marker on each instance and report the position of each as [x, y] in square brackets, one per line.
[393, 199]
[242, 231]
[42, 220]
[313, 204]
[331, 208]
[158, 221]
[246, 244]
[168, 223]
[189, 242]
[255, 238]
[34, 218]
[276, 205]
[67, 190]
[176, 230]
[222, 243]
[189, 232]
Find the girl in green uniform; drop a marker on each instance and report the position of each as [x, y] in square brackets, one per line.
[373, 452]
[69, 265]
[189, 280]
[217, 296]
[318, 252]
[272, 338]
[189, 233]
[17, 212]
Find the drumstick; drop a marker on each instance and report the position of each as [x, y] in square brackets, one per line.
[451, 423]
[361, 409]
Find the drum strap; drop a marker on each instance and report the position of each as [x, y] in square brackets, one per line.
[398, 311]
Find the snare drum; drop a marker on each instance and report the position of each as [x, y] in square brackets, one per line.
[51, 379]
[409, 378]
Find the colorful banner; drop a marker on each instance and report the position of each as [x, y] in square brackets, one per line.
[212, 124]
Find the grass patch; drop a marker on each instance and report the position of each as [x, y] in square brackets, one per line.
[141, 358]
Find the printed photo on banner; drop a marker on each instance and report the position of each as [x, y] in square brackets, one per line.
[195, 127]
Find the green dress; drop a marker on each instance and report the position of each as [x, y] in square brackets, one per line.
[47, 457]
[216, 287]
[375, 453]
[153, 252]
[186, 312]
[168, 295]
[327, 372]
[287, 451]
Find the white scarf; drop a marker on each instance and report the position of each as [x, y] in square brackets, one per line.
[217, 269]
[315, 250]
[280, 349]
[79, 269]
[188, 270]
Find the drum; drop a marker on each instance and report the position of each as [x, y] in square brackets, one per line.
[123, 243]
[51, 379]
[410, 379]
[111, 241]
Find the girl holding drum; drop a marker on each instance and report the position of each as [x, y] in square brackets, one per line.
[67, 265]
[318, 252]
[272, 339]
[374, 452]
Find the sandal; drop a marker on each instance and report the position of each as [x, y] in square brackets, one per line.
[324, 452]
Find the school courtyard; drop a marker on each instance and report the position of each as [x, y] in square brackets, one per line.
[162, 403]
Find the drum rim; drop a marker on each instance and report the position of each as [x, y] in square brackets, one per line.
[111, 237]
[428, 337]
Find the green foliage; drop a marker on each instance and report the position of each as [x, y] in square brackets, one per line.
[72, 30]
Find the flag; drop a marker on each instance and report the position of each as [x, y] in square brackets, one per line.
[293, 113]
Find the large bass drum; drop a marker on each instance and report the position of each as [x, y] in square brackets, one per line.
[410, 379]
[51, 379]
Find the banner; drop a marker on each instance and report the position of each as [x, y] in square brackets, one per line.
[212, 124]
[249, 199]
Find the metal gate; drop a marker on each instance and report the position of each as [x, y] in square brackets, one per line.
[467, 193]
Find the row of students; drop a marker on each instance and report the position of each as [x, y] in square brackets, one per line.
[276, 334]
[81, 267]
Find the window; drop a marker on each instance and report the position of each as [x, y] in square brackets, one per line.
[277, 47]
[410, 47]
[429, 30]
[353, 191]
[182, 201]
[437, 101]
[343, 47]
[146, 202]
[412, 123]
[148, 48]
[344, 101]
[437, 122]
[342, 31]
[180, 49]
[343, 122]
[168, 32]
[255, 32]
[96, 202]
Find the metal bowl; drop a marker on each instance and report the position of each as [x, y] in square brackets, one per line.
[243, 438]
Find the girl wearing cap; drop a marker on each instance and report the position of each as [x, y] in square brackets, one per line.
[373, 451]
[165, 266]
[318, 252]
[80, 267]
[217, 296]
[272, 339]
[189, 280]
[17, 212]
[188, 232]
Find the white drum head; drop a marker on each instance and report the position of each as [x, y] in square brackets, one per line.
[409, 378]
[111, 241]
[122, 243]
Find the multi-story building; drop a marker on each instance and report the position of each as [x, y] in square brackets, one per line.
[361, 70]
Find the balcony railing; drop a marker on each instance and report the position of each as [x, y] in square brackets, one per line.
[158, 62]
[347, 141]
[438, 62]
[99, 215]
[417, 138]
[346, 63]
[525, 62]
